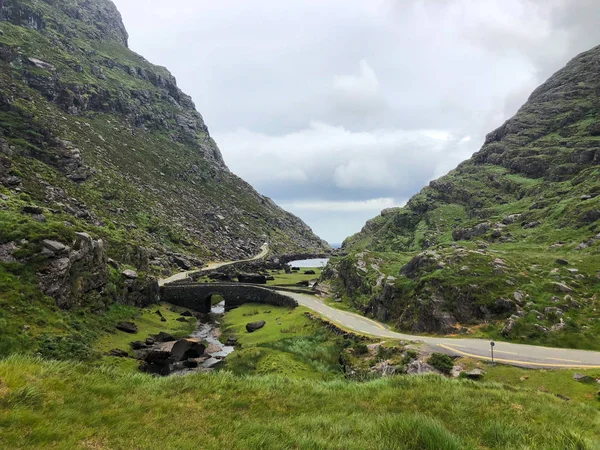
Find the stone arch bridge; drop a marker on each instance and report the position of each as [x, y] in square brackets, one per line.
[198, 296]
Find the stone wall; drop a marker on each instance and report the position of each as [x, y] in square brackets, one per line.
[197, 296]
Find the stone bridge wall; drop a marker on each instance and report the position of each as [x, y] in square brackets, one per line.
[197, 296]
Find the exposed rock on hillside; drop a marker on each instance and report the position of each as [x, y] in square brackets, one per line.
[488, 242]
[95, 138]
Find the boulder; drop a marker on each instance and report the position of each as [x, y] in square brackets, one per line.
[137, 345]
[164, 337]
[130, 274]
[309, 272]
[219, 276]
[582, 378]
[384, 369]
[253, 326]
[53, 246]
[231, 341]
[118, 353]
[181, 262]
[32, 209]
[187, 348]
[475, 374]
[562, 261]
[511, 219]
[186, 314]
[158, 356]
[150, 341]
[127, 327]
[181, 319]
[532, 224]
[253, 278]
[561, 287]
[417, 367]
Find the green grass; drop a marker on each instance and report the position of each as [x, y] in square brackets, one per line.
[291, 279]
[69, 406]
[148, 323]
[556, 382]
[289, 344]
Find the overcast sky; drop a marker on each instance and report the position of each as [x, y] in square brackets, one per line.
[337, 109]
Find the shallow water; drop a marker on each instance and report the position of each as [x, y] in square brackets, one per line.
[317, 262]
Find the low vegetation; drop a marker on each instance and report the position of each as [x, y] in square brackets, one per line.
[64, 405]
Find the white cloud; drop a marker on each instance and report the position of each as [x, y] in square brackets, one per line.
[358, 94]
[373, 205]
[352, 100]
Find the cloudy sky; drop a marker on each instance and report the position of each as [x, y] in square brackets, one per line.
[337, 109]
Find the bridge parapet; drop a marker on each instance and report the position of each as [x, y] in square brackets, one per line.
[197, 296]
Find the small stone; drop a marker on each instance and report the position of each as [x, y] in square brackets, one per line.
[562, 261]
[181, 319]
[581, 378]
[32, 209]
[186, 314]
[561, 287]
[118, 353]
[253, 326]
[150, 341]
[53, 246]
[524, 377]
[130, 274]
[162, 319]
[573, 271]
[475, 374]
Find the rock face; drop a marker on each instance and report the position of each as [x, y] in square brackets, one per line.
[552, 138]
[534, 176]
[93, 137]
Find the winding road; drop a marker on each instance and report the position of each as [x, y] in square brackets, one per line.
[504, 352]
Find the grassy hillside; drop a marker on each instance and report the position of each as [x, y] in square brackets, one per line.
[510, 238]
[95, 139]
[58, 405]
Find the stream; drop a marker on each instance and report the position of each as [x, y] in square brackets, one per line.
[210, 332]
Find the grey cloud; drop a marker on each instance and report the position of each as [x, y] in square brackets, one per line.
[351, 101]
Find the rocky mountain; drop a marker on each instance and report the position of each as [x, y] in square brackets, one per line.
[509, 238]
[103, 159]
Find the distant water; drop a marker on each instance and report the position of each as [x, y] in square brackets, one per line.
[317, 262]
[335, 245]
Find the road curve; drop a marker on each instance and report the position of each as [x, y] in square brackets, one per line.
[504, 352]
[264, 250]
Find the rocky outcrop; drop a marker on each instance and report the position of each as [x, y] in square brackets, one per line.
[553, 138]
[70, 272]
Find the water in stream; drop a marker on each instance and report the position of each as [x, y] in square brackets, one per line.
[210, 332]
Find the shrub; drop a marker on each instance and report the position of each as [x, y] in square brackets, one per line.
[360, 348]
[409, 356]
[441, 362]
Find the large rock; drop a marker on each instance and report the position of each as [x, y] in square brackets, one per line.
[462, 234]
[418, 367]
[127, 327]
[253, 326]
[253, 278]
[184, 349]
[164, 337]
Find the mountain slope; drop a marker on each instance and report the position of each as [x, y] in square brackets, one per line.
[496, 226]
[106, 165]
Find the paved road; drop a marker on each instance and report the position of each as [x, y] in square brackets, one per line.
[504, 352]
[264, 249]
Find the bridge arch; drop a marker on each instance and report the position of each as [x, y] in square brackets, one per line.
[197, 296]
